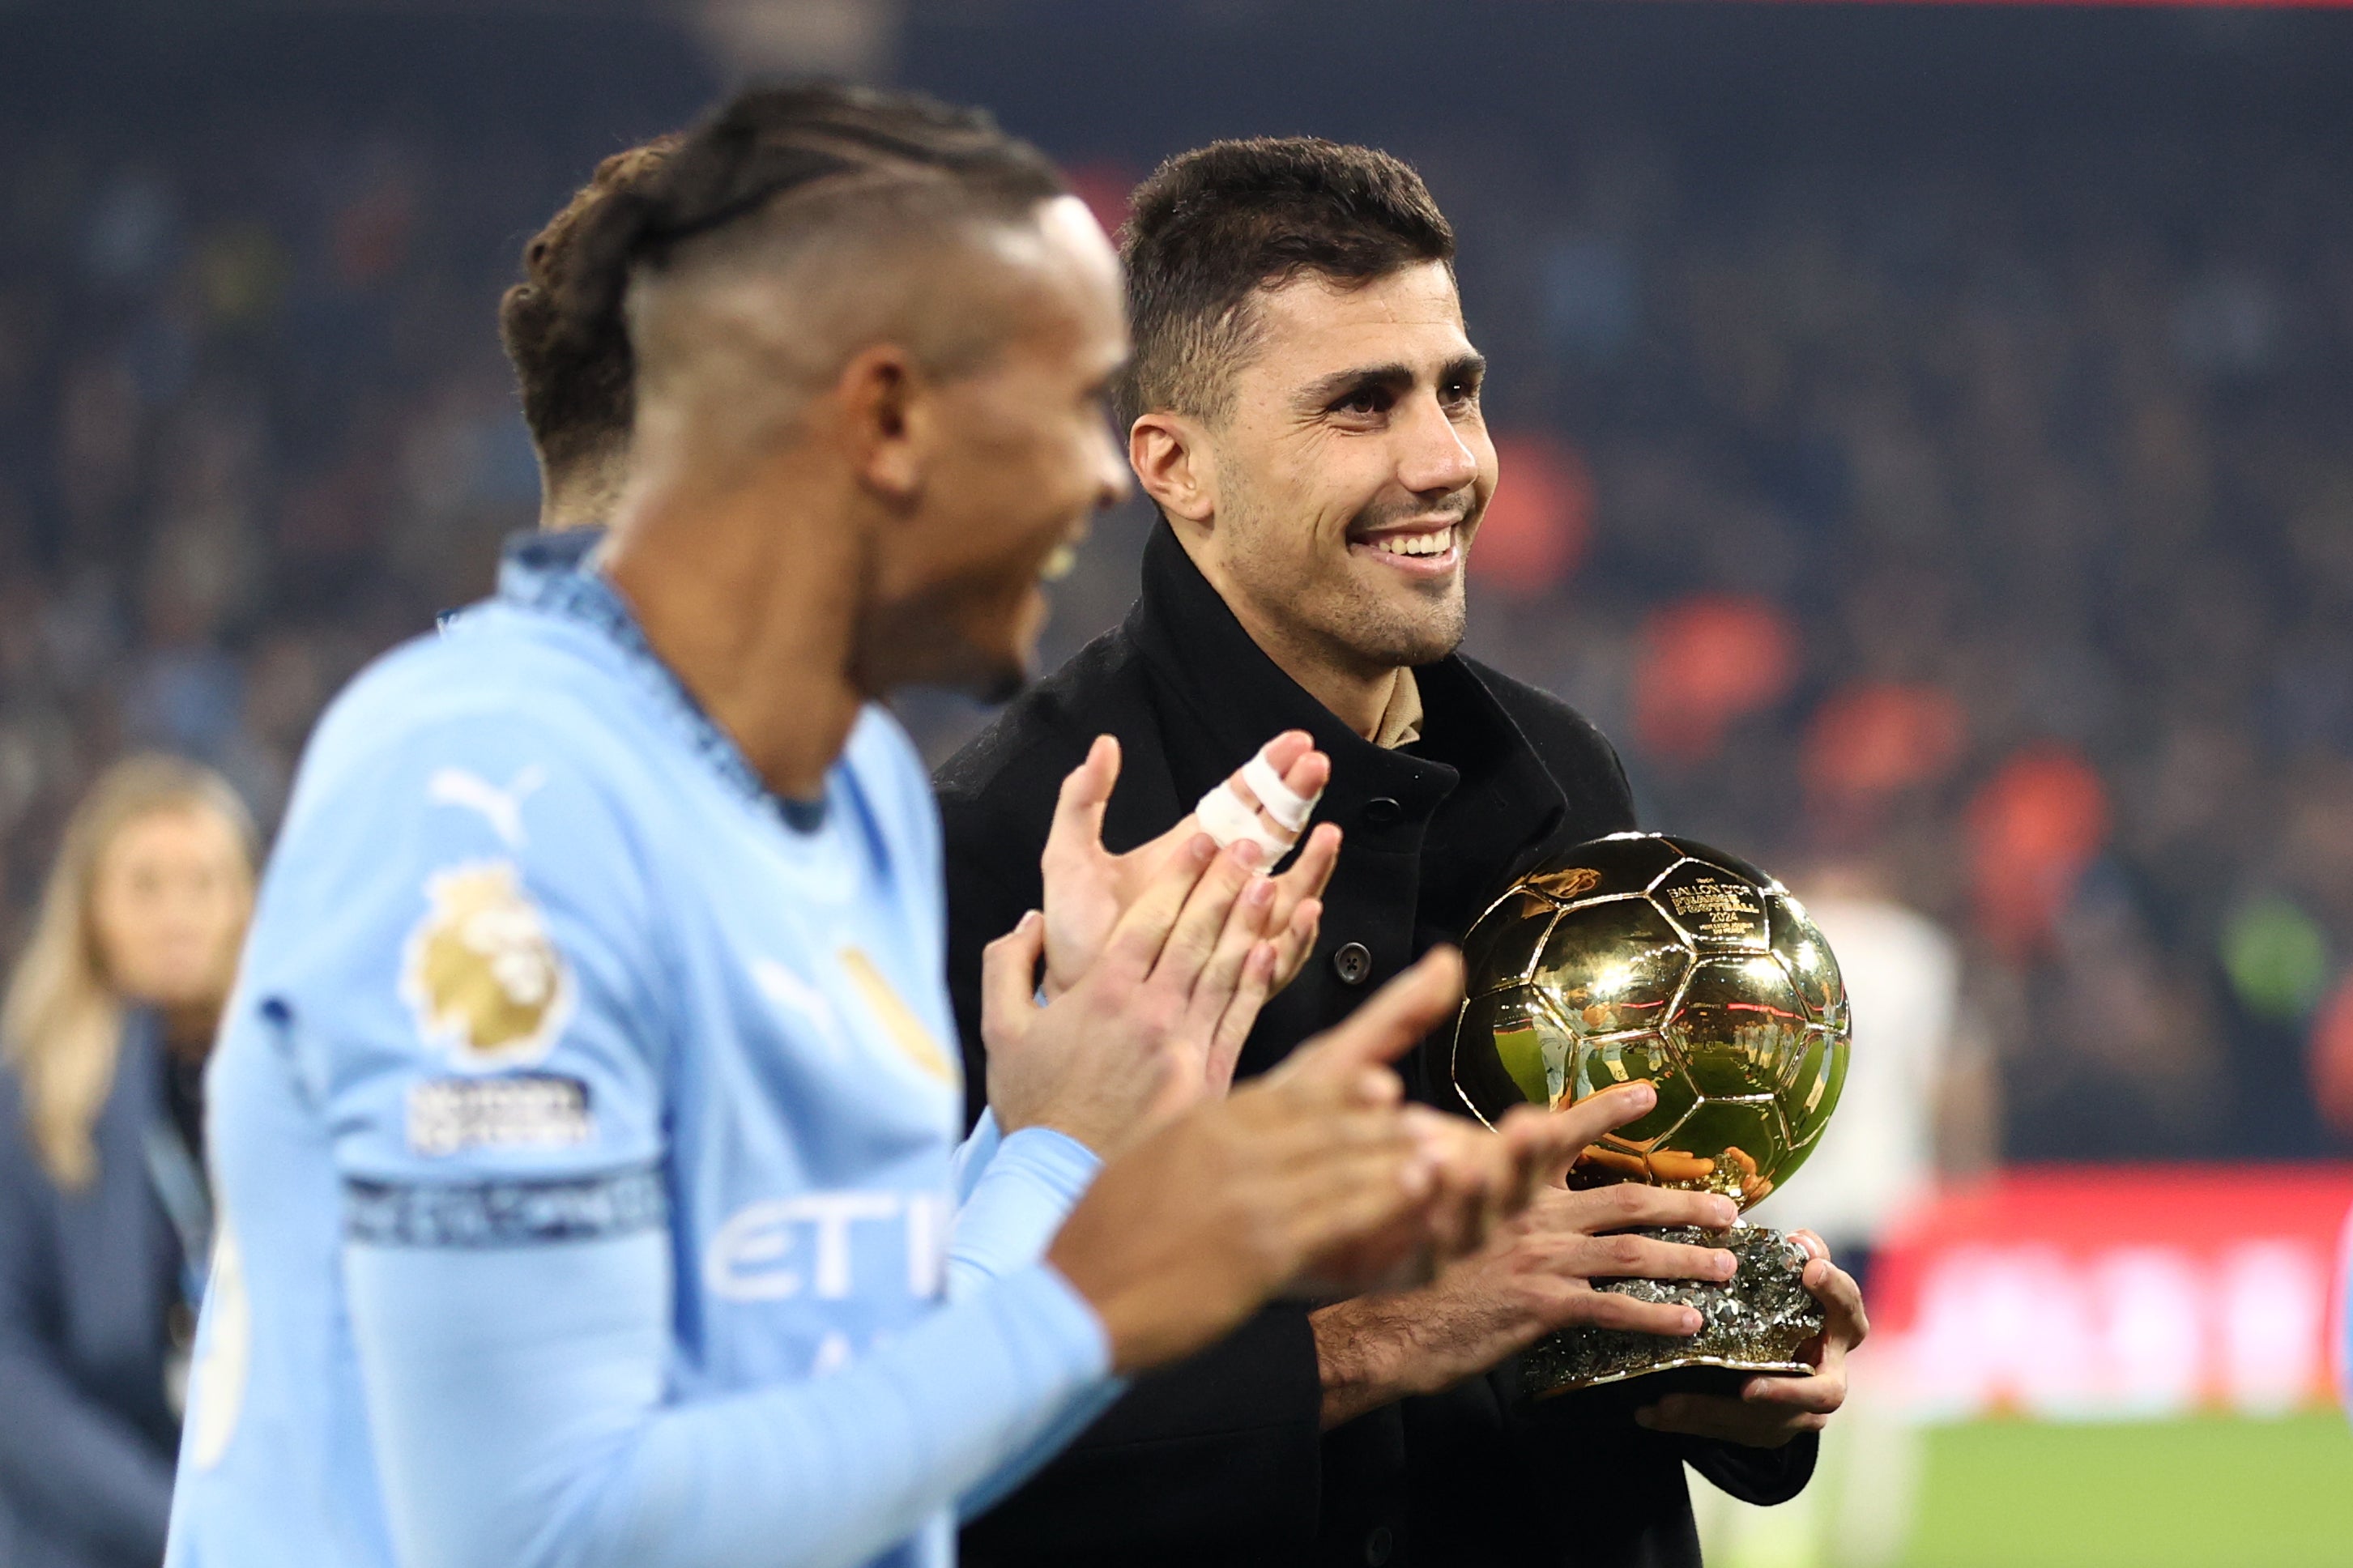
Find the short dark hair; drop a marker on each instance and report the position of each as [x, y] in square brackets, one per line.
[576, 379]
[768, 143]
[1212, 226]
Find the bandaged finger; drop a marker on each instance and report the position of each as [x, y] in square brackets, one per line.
[1287, 806]
[1229, 818]
[1224, 817]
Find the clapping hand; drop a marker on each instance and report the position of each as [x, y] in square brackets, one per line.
[1315, 1178]
[1153, 1025]
[1088, 886]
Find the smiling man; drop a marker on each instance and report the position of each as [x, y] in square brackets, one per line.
[1303, 407]
[586, 1156]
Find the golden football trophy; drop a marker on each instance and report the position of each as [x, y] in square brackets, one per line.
[1641, 956]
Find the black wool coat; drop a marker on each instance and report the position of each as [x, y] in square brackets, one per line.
[1220, 1459]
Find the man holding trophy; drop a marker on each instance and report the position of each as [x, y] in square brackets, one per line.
[1303, 407]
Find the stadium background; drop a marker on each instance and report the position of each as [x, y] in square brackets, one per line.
[1926, 434]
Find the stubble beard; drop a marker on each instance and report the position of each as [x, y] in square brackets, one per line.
[1377, 633]
[1334, 610]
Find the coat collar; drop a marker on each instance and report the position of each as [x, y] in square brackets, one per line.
[1202, 659]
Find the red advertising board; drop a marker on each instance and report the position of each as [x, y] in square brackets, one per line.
[2108, 1293]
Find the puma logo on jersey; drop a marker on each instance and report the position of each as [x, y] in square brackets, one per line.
[781, 985]
[501, 808]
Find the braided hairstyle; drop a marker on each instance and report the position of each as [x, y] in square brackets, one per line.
[766, 144]
[576, 379]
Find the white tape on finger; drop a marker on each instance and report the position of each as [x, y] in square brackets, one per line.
[1286, 805]
[1225, 818]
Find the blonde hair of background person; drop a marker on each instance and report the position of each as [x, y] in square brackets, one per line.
[61, 1025]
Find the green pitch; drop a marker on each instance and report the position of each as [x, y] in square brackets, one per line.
[2209, 1493]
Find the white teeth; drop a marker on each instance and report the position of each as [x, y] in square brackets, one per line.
[1436, 543]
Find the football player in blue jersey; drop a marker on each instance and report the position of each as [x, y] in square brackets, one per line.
[584, 1122]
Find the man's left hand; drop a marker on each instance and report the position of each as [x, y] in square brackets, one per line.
[1770, 1411]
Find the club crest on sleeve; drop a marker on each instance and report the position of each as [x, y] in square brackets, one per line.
[481, 973]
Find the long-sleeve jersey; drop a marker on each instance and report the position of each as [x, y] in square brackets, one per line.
[585, 1131]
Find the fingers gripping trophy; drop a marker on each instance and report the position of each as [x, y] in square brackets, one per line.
[1641, 956]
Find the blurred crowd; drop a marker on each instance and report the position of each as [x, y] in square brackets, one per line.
[254, 428]
[1983, 533]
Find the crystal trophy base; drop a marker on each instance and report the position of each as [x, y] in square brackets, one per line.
[1756, 1322]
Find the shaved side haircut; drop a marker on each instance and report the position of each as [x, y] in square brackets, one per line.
[796, 225]
[1214, 226]
[575, 376]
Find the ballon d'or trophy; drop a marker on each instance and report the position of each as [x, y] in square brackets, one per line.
[1641, 956]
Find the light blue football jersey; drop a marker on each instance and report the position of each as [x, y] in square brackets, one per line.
[585, 1131]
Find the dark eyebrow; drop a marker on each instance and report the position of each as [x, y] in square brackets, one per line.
[1324, 391]
[1341, 384]
[1464, 367]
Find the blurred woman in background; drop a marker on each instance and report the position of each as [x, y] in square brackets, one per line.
[105, 1221]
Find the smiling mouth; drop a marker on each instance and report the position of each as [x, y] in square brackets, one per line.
[1424, 552]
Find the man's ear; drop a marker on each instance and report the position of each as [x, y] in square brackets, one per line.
[1171, 456]
[887, 418]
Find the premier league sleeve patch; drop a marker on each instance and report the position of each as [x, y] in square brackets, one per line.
[481, 973]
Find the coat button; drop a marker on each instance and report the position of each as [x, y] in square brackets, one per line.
[1378, 1543]
[1382, 812]
[1352, 964]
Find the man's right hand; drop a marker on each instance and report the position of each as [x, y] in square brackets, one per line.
[1536, 1276]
